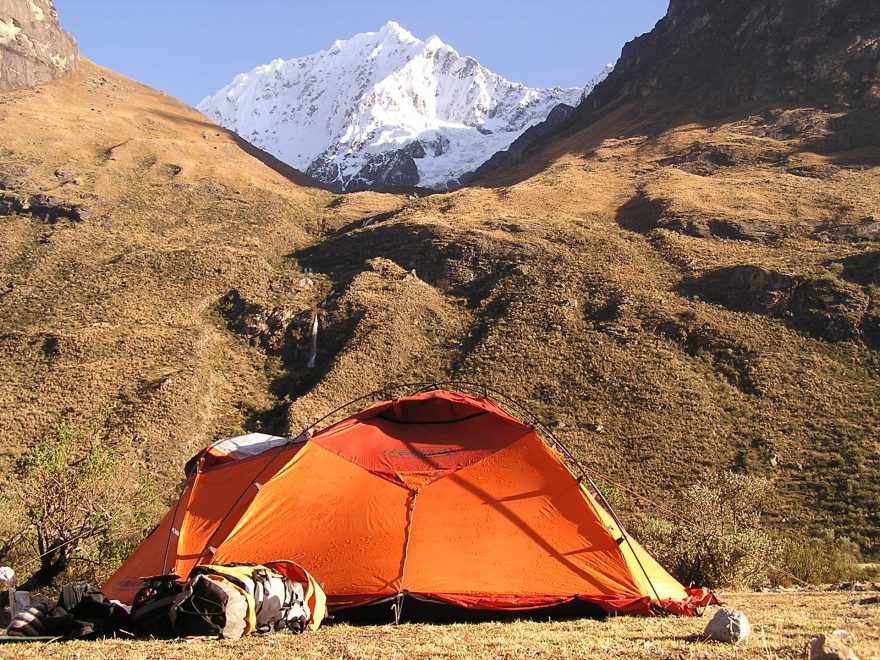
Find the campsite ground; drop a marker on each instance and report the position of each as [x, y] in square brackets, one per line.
[783, 625]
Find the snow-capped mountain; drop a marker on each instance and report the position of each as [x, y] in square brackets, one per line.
[381, 110]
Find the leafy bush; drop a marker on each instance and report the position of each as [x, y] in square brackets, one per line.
[72, 499]
[822, 560]
[721, 541]
[724, 543]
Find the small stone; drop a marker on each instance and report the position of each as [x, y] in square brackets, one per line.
[828, 647]
[728, 625]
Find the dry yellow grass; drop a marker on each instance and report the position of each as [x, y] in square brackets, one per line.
[783, 625]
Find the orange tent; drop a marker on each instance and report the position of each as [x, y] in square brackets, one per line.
[440, 497]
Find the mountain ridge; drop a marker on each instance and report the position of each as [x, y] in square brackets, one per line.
[820, 54]
[382, 110]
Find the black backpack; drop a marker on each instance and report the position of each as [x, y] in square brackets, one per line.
[93, 615]
[151, 608]
[39, 620]
[82, 612]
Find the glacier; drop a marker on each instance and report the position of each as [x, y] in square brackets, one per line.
[383, 110]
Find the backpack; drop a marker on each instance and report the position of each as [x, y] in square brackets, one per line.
[211, 605]
[273, 601]
[39, 620]
[151, 607]
[93, 616]
[315, 604]
[82, 612]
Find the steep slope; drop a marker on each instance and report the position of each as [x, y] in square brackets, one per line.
[33, 47]
[381, 110]
[817, 53]
[711, 60]
[125, 217]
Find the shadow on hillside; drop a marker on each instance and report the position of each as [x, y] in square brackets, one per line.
[853, 138]
[290, 173]
[459, 263]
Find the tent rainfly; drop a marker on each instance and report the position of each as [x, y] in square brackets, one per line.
[435, 498]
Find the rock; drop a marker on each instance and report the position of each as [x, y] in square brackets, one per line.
[278, 331]
[825, 308]
[387, 171]
[52, 209]
[703, 159]
[10, 204]
[828, 647]
[728, 625]
[13, 175]
[33, 47]
[814, 171]
[866, 230]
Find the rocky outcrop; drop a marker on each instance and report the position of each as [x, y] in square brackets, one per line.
[822, 307]
[388, 171]
[710, 57]
[48, 208]
[719, 54]
[279, 331]
[33, 47]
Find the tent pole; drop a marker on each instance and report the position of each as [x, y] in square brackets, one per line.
[398, 610]
[546, 432]
[187, 488]
[254, 481]
[623, 533]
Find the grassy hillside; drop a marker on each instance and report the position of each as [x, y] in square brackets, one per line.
[674, 296]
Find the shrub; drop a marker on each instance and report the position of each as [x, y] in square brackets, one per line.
[819, 560]
[72, 499]
[721, 541]
[724, 543]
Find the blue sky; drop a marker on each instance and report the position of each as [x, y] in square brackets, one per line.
[192, 48]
